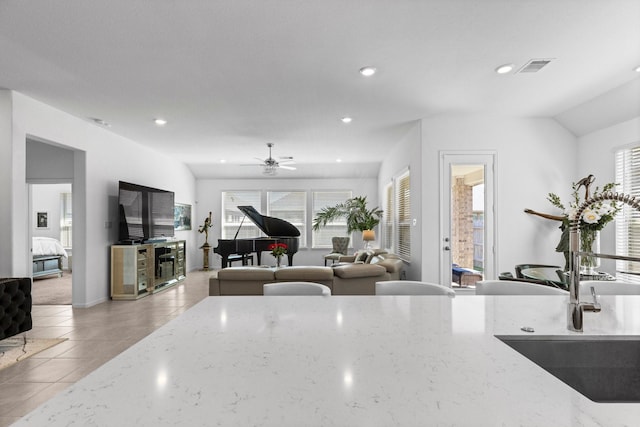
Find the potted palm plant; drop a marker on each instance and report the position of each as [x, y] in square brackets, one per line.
[358, 216]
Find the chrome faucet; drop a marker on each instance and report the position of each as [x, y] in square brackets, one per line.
[576, 309]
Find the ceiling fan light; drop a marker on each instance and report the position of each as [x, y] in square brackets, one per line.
[269, 170]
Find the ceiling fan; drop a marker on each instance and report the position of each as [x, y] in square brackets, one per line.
[271, 165]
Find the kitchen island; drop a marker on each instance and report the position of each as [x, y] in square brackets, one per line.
[345, 361]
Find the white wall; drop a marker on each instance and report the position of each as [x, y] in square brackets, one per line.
[48, 163]
[46, 198]
[101, 158]
[6, 174]
[596, 153]
[406, 154]
[209, 198]
[535, 157]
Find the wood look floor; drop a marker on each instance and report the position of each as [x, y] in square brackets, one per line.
[95, 335]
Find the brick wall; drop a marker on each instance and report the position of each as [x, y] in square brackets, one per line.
[462, 224]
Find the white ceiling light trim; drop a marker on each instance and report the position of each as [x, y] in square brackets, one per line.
[160, 122]
[346, 120]
[504, 68]
[368, 71]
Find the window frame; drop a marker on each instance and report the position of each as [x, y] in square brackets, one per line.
[627, 222]
[402, 215]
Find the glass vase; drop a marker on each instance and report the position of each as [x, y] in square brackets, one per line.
[278, 260]
[589, 242]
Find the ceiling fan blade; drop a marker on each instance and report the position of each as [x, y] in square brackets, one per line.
[287, 162]
[291, 168]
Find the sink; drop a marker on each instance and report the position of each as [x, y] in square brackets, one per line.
[602, 368]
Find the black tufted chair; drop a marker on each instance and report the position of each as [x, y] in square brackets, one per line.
[15, 306]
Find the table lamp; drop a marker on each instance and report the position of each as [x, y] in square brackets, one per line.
[368, 236]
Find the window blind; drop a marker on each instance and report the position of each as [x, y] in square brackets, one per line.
[66, 220]
[403, 203]
[232, 217]
[387, 222]
[290, 206]
[321, 199]
[628, 220]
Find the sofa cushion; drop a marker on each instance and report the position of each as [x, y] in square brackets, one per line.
[246, 273]
[391, 265]
[304, 273]
[346, 271]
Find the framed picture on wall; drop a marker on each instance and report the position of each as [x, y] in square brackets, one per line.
[42, 220]
[181, 217]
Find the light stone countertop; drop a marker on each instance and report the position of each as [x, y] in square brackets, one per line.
[345, 361]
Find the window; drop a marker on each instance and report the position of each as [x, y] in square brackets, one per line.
[396, 220]
[403, 216]
[232, 216]
[387, 218]
[65, 220]
[290, 206]
[321, 199]
[628, 220]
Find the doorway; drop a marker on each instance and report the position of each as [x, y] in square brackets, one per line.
[51, 243]
[467, 219]
[50, 163]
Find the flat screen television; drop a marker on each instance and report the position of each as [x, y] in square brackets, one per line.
[145, 213]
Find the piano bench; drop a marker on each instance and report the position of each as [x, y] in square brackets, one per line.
[240, 257]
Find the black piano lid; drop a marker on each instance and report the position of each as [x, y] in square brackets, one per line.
[270, 226]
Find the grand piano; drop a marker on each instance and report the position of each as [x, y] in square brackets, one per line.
[277, 230]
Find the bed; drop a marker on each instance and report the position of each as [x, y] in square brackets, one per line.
[47, 256]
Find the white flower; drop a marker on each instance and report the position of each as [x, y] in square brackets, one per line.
[571, 213]
[590, 217]
[604, 209]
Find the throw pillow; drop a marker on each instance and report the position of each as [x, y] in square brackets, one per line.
[361, 256]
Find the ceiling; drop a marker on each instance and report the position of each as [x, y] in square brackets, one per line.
[230, 76]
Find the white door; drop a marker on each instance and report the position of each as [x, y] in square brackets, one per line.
[473, 169]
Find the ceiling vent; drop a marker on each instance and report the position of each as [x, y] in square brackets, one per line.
[534, 65]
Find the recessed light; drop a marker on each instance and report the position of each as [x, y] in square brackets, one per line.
[367, 71]
[338, 160]
[160, 122]
[223, 161]
[346, 119]
[504, 69]
[637, 69]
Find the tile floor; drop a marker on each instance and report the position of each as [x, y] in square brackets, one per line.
[95, 335]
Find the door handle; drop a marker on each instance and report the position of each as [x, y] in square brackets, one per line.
[447, 248]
